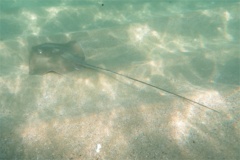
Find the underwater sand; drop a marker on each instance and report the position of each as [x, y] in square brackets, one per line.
[188, 48]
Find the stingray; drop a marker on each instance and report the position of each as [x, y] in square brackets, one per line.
[66, 57]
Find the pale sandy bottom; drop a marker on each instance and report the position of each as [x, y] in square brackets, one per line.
[98, 117]
[91, 115]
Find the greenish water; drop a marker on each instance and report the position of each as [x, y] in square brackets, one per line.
[187, 47]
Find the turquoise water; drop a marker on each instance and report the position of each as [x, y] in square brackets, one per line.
[187, 47]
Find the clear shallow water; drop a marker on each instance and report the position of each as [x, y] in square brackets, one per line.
[190, 48]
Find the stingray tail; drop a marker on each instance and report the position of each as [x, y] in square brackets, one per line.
[162, 89]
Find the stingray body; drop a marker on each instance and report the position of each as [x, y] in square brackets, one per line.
[67, 57]
[53, 57]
